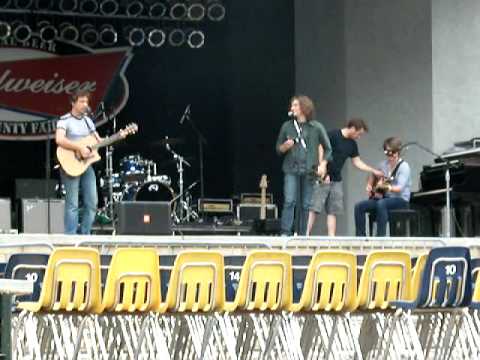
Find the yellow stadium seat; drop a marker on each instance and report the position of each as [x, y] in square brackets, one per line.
[330, 283]
[133, 281]
[386, 277]
[265, 282]
[196, 283]
[71, 282]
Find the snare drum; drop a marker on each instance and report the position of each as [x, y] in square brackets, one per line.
[133, 168]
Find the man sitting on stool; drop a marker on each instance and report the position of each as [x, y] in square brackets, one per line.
[388, 193]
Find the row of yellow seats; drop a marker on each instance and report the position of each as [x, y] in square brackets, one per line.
[72, 282]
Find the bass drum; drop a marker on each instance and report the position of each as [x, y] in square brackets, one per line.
[155, 191]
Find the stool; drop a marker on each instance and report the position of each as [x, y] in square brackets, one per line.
[397, 218]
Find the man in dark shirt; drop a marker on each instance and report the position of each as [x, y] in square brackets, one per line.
[304, 144]
[328, 194]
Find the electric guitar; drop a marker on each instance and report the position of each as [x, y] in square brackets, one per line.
[74, 164]
[263, 197]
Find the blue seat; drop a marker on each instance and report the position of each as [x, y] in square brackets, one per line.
[233, 267]
[299, 272]
[27, 267]
[446, 281]
[2, 269]
[104, 265]
[166, 266]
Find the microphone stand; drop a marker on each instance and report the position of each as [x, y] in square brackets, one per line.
[201, 141]
[47, 179]
[180, 161]
[447, 181]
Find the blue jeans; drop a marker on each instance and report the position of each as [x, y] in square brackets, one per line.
[294, 187]
[88, 185]
[379, 208]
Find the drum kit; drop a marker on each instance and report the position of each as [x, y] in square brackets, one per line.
[137, 179]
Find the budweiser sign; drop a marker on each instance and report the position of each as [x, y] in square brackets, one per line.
[36, 83]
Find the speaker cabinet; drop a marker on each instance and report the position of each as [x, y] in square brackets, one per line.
[144, 218]
[5, 215]
[34, 213]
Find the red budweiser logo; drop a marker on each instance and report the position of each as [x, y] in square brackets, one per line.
[43, 85]
[33, 91]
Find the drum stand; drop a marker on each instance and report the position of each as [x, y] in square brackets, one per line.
[186, 205]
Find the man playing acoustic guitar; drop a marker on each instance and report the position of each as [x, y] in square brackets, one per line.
[388, 193]
[72, 127]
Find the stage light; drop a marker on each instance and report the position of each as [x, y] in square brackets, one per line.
[178, 11]
[196, 12]
[136, 36]
[5, 30]
[68, 5]
[68, 32]
[23, 4]
[156, 38]
[108, 35]
[109, 7]
[134, 8]
[22, 33]
[196, 39]
[90, 35]
[43, 4]
[157, 10]
[89, 6]
[216, 11]
[176, 37]
[47, 32]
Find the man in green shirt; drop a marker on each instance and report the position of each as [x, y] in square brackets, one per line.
[304, 145]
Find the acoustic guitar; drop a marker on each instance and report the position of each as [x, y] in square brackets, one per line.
[74, 164]
[381, 185]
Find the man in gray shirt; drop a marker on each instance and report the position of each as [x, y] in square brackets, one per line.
[396, 192]
[73, 126]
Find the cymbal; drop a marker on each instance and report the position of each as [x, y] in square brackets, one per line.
[169, 162]
[169, 141]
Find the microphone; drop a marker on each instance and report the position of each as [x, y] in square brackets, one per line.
[407, 145]
[186, 114]
[290, 114]
[87, 111]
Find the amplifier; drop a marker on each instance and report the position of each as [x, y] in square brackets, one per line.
[255, 198]
[144, 218]
[5, 215]
[215, 206]
[34, 216]
[250, 212]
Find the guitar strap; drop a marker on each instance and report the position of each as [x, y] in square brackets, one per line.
[395, 170]
[300, 134]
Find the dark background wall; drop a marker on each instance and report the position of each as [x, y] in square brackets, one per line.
[238, 86]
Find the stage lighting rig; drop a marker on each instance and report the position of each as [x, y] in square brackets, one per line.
[196, 39]
[216, 10]
[176, 38]
[156, 37]
[5, 30]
